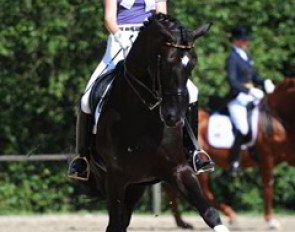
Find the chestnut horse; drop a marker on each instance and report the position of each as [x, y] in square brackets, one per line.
[139, 136]
[272, 150]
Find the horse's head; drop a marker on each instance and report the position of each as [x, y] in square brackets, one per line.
[281, 102]
[170, 58]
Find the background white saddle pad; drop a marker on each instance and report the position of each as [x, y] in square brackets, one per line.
[220, 131]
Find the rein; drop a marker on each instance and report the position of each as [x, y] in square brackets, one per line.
[156, 94]
[156, 91]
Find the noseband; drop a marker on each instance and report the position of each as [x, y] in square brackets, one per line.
[156, 90]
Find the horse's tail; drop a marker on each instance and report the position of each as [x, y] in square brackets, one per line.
[266, 118]
[202, 115]
[203, 118]
[271, 126]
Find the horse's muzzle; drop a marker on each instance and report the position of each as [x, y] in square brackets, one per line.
[172, 122]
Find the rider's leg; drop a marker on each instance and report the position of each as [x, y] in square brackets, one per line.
[108, 62]
[234, 155]
[79, 166]
[199, 164]
[238, 113]
[192, 117]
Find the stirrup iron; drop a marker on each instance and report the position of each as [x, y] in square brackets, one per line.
[210, 167]
[76, 174]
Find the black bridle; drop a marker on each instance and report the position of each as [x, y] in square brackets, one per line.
[156, 91]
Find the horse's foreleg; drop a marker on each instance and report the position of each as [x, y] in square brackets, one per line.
[115, 192]
[266, 169]
[172, 197]
[225, 209]
[188, 185]
[132, 196]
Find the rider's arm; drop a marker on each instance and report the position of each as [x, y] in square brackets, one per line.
[110, 16]
[161, 6]
[257, 79]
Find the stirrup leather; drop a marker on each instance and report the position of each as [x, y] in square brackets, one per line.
[76, 174]
[210, 167]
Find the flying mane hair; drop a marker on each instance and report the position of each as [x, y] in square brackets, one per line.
[161, 17]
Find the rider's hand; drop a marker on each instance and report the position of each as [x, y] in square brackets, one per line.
[256, 93]
[269, 86]
[122, 40]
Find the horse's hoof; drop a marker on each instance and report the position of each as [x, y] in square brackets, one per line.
[233, 221]
[220, 228]
[185, 225]
[273, 224]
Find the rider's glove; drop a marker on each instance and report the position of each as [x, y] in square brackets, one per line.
[269, 87]
[122, 40]
[256, 93]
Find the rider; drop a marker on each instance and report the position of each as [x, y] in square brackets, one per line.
[123, 19]
[243, 80]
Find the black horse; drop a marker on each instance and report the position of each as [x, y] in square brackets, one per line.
[139, 136]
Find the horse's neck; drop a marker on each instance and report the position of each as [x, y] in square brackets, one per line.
[139, 80]
[281, 103]
[128, 97]
[132, 116]
[140, 55]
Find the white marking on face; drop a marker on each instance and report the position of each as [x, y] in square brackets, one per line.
[185, 60]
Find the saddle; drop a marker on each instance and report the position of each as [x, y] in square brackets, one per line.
[221, 130]
[101, 90]
[102, 85]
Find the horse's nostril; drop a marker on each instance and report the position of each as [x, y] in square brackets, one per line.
[171, 120]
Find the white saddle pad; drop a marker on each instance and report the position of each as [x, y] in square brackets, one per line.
[220, 131]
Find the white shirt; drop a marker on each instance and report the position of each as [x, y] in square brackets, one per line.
[149, 5]
[242, 53]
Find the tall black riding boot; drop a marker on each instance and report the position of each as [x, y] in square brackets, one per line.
[79, 166]
[234, 156]
[197, 163]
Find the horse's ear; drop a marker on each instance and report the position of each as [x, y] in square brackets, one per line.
[202, 30]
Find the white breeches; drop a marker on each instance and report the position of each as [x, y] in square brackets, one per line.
[238, 111]
[193, 91]
[108, 63]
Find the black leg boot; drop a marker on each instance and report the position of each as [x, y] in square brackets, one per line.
[79, 166]
[199, 165]
[234, 156]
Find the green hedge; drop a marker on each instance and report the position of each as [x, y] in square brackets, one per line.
[43, 187]
[48, 50]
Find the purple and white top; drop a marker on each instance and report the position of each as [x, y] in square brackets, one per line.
[135, 11]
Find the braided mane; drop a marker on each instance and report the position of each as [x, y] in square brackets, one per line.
[170, 23]
[161, 18]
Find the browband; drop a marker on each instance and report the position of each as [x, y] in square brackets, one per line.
[175, 45]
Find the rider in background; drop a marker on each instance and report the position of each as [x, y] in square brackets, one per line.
[244, 82]
[123, 19]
